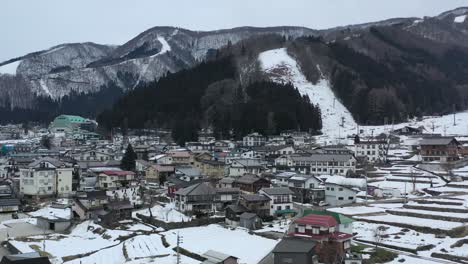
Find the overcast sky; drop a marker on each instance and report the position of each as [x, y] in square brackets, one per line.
[31, 25]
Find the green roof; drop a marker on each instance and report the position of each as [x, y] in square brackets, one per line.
[341, 219]
[71, 118]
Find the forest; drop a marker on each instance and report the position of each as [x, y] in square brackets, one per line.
[209, 96]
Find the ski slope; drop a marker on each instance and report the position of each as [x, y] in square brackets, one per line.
[336, 119]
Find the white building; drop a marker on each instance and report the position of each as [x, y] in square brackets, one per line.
[338, 195]
[371, 150]
[254, 140]
[240, 167]
[280, 200]
[317, 163]
[47, 177]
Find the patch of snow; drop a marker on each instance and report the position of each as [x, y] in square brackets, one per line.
[165, 46]
[282, 68]
[459, 19]
[44, 87]
[238, 242]
[415, 221]
[52, 213]
[166, 213]
[10, 68]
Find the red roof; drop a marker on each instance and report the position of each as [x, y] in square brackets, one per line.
[317, 220]
[334, 236]
[118, 173]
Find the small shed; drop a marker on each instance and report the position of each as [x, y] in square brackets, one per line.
[250, 221]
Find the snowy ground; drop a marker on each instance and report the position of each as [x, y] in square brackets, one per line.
[357, 210]
[239, 243]
[166, 213]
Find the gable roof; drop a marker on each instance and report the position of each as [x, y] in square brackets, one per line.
[215, 257]
[317, 220]
[438, 141]
[341, 219]
[294, 245]
[277, 191]
[197, 189]
[249, 179]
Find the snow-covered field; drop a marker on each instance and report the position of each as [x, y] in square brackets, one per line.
[415, 221]
[248, 248]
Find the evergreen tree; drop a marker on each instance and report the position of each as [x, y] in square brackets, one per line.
[128, 160]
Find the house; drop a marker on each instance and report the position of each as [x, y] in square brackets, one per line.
[187, 173]
[295, 250]
[281, 203]
[158, 173]
[282, 178]
[199, 197]
[233, 212]
[345, 224]
[88, 204]
[114, 178]
[227, 182]
[162, 159]
[9, 205]
[141, 166]
[253, 140]
[251, 183]
[215, 257]
[317, 163]
[173, 184]
[93, 155]
[211, 168]
[256, 203]
[274, 151]
[46, 177]
[115, 211]
[250, 221]
[181, 157]
[441, 149]
[56, 218]
[239, 167]
[407, 130]
[25, 258]
[338, 195]
[332, 245]
[226, 196]
[371, 150]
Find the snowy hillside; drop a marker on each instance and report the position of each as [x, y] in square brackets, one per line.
[337, 120]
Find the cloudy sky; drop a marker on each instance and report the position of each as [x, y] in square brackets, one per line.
[31, 25]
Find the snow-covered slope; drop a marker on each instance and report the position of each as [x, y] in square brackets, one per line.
[281, 67]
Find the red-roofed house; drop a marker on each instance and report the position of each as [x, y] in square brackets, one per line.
[114, 178]
[322, 229]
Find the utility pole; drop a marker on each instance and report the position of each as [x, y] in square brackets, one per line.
[367, 189]
[179, 241]
[454, 122]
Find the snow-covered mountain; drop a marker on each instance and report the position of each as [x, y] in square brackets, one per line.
[87, 67]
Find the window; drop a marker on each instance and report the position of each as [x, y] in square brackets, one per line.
[311, 185]
[340, 189]
[315, 231]
[328, 188]
[333, 189]
[350, 198]
[287, 260]
[340, 198]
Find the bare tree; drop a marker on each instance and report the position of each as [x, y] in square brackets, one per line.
[379, 233]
